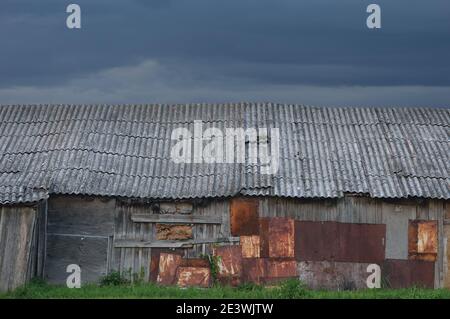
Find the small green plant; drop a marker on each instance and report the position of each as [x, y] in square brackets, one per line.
[213, 265]
[114, 279]
[293, 289]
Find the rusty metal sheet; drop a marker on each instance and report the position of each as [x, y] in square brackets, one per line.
[423, 240]
[408, 273]
[244, 217]
[195, 262]
[250, 246]
[281, 237]
[277, 237]
[333, 275]
[280, 268]
[230, 260]
[264, 238]
[168, 265]
[154, 261]
[344, 242]
[253, 270]
[193, 277]
[173, 232]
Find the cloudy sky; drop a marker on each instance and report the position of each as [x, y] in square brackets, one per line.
[317, 52]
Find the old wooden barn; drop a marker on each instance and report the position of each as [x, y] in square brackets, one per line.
[96, 186]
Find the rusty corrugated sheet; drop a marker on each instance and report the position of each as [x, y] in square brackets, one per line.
[423, 240]
[110, 150]
[244, 217]
[333, 275]
[345, 242]
[193, 277]
[230, 261]
[277, 237]
[408, 273]
[250, 246]
[173, 232]
[168, 264]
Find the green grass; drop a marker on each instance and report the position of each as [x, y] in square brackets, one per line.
[289, 289]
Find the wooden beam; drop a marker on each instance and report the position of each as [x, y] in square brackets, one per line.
[175, 219]
[124, 243]
[446, 221]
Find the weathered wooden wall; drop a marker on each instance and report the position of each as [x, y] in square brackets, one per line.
[394, 214]
[22, 244]
[102, 235]
[79, 231]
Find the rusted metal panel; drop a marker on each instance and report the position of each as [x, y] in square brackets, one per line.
[280, 268]
[333, 275]
[264, 238]
[281, 237]
[195, 262]
[344, 242]
[250, 246]
[173, 232]
[244, 217]
[230, 260]
[168, 264]
[253, 270]
[408, 273]
[193, 277]
[423, 240]
[277, 237]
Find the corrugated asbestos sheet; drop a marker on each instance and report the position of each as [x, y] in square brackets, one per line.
[124, 150]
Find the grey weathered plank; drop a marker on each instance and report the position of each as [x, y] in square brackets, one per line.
[175, 219]
[124, 243]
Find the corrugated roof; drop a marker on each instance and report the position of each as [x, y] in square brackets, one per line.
[124, 150]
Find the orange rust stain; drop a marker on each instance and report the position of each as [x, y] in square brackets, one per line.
[276, 268]
[168, 264]
[281, 237]
[244, 217]
[230, 260]
[423, 240]
[193, 277]
[250, 246]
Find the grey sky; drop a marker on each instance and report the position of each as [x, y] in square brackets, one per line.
[302, 51]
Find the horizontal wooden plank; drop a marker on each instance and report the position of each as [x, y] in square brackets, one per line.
[175, 219]
[446, 221]
[125, 243]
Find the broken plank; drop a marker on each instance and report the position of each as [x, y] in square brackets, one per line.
[124, 243]
[175, 219]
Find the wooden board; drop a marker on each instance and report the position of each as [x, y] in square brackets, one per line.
[90, 253]
[175, 219]
[447, 256]
[17, 226]
[344, 242]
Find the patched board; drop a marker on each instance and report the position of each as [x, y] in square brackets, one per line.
[345, 242]
[408, 273]
[244, 217]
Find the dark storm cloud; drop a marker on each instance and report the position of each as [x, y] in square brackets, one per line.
[222, 45]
